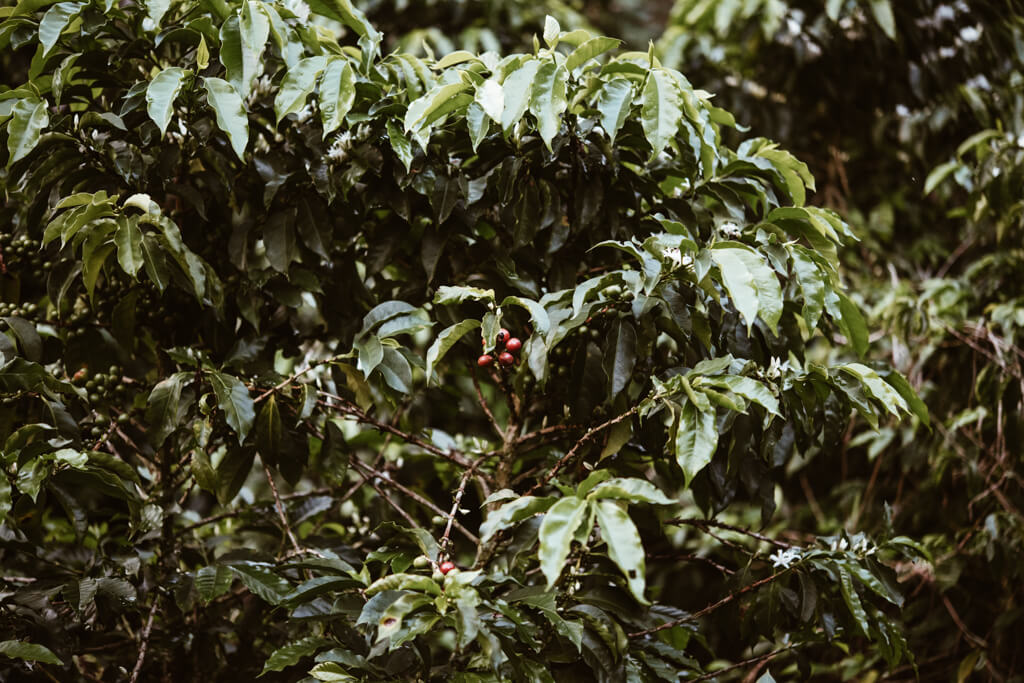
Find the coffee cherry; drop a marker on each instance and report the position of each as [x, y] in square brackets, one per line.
[513, 344]
[446, 566]
[503, 335]
[506, 358]
[484, 360]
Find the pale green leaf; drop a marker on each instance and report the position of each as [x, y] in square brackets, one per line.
[661, 110]
[548, 103]
[518, 87]
[614, 105]
[29, 119]
[161, 93]
[30, 652]
[624, 546]
[556, 534]
[230, 111]
[445, 341]
[234, 399]
[297, 85]
[338, 94]
[696, 440]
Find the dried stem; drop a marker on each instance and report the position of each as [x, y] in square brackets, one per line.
[144, 643]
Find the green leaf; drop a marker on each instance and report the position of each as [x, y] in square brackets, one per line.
[28, 337]
[917, 406]
[400, 144]
[551, 31]
[161, 93]
[290, 654]
[812, 284]
[556, 534]
[438, 97]
[877, 388]
[230, 111]
[456, 295]
[396, 370]
[491, 98]
[384, 311]
[748, 388]
[338, 94]
[588, 50]
[512, 513]
[164, 411]
[751, 283]
[30, 652]
[620, 356]
[128, 240]
[696, 440]
[518, 87]
[30, 117]
[852, 599]
[851, 322]
[624, 546]
[297, 85]
[54, 22]
[548, 102]
[632, 489]
[233, 398]
[269, 430]
[661, 112]
[261, 580]
[538, 314]
[445, 341]
[614, 104]
[332, 673]
[213, 581]
[371, 353]
[883, 15]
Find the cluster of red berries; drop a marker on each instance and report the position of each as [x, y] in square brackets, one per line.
[507, 357]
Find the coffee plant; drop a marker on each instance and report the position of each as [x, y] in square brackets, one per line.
[328, 362]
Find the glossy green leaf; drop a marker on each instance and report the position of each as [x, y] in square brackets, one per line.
[614, 104]
[589, 50]
[624, 546]
[297, 85]
[630, 489]
[338, 94]
[548, 103]
[161, 93]
[29, 119]
[446, 340]
[696, 440]
[556, 534]
[234, 399]
[164, 410]
[661, 110]
[518, 87]
[230, 111]
[29, 652]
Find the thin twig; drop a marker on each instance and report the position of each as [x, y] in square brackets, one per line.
[279, 506]
[300, 373]
[483, 404]
[146, 630]
[445, 539]
[704, 524]
[710, 608]
[745, 662]
[579, 444]
[415, 496]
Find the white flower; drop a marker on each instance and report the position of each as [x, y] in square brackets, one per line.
[675, 256]
[784, 558]
[776, 368]
[902, 110]
[971, 34]
[299, 9]
[730, 229]
[304, 114]
[339, 149]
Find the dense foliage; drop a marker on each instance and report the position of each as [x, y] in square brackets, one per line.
[261, 412]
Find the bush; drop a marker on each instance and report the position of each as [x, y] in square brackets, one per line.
[258, 412]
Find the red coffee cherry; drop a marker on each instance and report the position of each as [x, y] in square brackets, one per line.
[484, 360]
[503, 335]
[446, 566]
[513, 344]
[506, 358]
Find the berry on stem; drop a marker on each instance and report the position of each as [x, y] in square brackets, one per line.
[513, 344]
[506, 358]
[446, 566]
[503, 335]
[484, 360]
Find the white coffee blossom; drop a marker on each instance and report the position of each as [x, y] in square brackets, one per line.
[971, 34]
[299, 8]
[675, 256]
[261, 146]
[730, 229]
[304, 114]
[338, 151]
[776, 368]
[784, 558]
